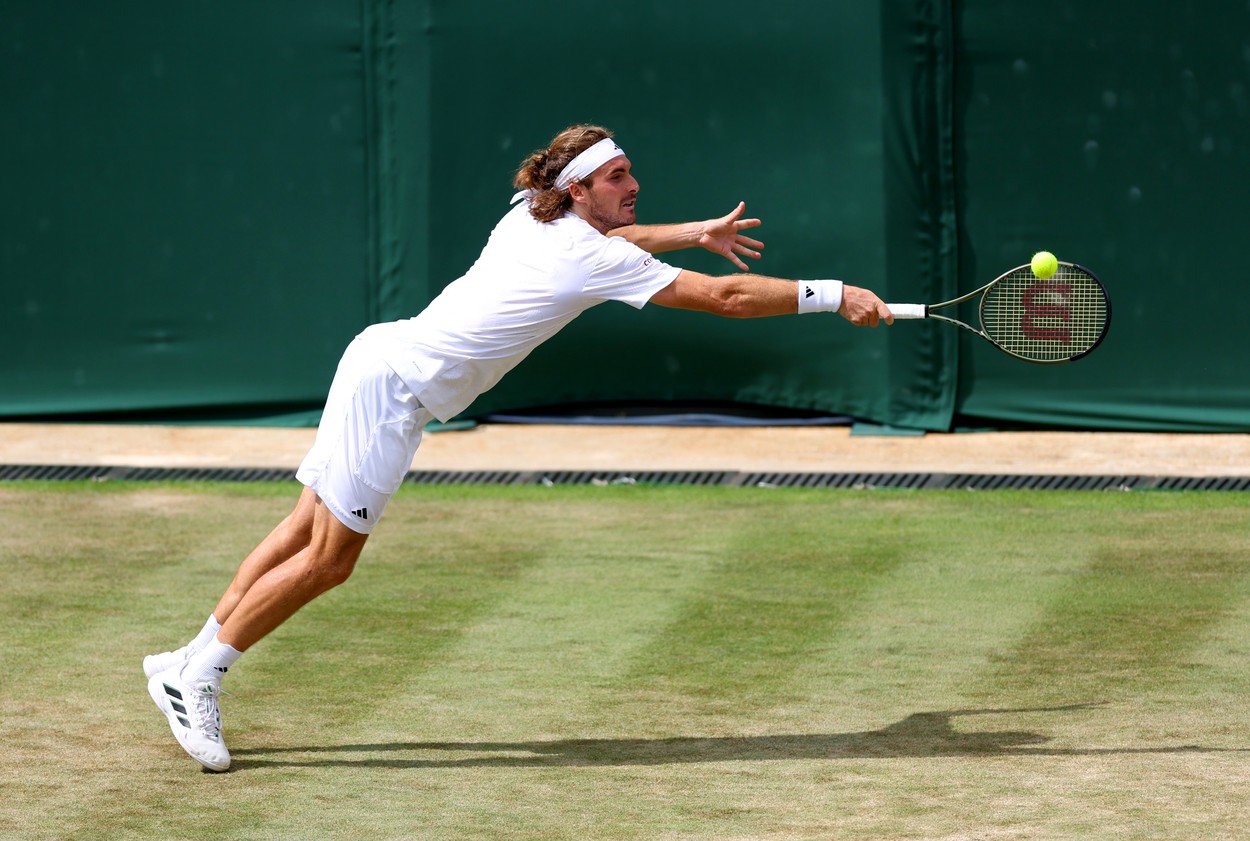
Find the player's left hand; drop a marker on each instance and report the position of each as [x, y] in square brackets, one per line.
[723, 236]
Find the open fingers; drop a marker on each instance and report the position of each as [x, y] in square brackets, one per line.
[746, 252]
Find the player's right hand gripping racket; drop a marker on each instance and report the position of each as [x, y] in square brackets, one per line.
[1058, 319]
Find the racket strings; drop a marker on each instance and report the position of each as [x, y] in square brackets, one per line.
[1045, 320]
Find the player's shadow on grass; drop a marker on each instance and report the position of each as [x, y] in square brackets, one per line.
[931, 734]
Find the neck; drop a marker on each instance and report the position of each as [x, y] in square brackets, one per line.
[582, 213]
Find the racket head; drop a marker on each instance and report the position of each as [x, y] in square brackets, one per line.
[1059, 319]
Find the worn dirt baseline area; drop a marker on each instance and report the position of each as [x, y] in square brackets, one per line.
[557, 447]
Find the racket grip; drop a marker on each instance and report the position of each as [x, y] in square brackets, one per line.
[909, 310]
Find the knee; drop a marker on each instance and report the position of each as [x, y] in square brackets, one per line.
[325, 572]
[332, 550]
[295, 533]
[337, 572]
[330, 562]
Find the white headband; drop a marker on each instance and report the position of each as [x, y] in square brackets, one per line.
[587, 162]
[580, 167]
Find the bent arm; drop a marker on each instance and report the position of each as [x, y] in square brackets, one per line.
[758, 296]
[721, 236]
[657, 239]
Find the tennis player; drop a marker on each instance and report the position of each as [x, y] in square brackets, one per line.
[569, 243]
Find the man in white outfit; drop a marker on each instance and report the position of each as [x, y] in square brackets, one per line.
[569, 243]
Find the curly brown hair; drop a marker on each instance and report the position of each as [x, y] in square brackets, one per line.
[538, 172]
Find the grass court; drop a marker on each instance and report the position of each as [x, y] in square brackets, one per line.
[644, 662]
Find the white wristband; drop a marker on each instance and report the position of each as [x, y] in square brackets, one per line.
[819, 295]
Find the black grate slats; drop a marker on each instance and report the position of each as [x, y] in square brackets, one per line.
[53, 472]
[857, 481]
[468, 477]
[707, 478]
[642, 477]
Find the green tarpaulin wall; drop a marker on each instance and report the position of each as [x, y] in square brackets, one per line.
[203, 202]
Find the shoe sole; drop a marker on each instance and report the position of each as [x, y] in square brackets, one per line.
[156, 688]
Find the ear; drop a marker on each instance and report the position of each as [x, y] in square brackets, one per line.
[578, 192]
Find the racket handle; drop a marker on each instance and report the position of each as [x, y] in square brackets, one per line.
[909, 310]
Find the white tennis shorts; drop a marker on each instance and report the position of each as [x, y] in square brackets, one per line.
[369, 432]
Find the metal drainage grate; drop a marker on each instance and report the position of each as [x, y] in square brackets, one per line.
[468, 477]
[70, 473]
[707, 478]
[53, 472]
[642, 477]
[208, 474]
[1036, 482]
[1203, 483]
[857, 481]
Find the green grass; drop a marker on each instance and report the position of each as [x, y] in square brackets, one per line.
[644, 663]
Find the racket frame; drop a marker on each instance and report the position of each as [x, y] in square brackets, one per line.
[983, 292]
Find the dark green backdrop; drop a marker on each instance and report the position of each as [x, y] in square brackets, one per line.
[203, 202]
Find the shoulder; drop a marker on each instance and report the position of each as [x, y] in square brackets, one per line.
[585, 246]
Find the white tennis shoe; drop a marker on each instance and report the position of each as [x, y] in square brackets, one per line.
[193, 716]
[154, 664]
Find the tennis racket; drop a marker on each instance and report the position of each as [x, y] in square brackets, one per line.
[1059, 319]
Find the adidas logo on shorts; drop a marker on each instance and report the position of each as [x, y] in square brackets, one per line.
[362, 513]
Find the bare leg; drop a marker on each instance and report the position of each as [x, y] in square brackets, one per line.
[269, 587]
[261, 602]
[288, 538]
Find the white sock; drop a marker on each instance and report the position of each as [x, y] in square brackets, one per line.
[205, 636]
[211, 663]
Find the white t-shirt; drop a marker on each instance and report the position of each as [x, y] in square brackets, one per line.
[531, 279]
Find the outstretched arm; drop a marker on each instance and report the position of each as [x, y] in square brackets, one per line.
[721, 236]
[755, 296]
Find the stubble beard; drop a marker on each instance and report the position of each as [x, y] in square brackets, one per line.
[619, 218]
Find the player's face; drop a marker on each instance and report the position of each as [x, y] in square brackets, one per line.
[612, 194]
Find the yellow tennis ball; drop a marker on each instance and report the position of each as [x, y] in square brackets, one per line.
[1044, 264]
